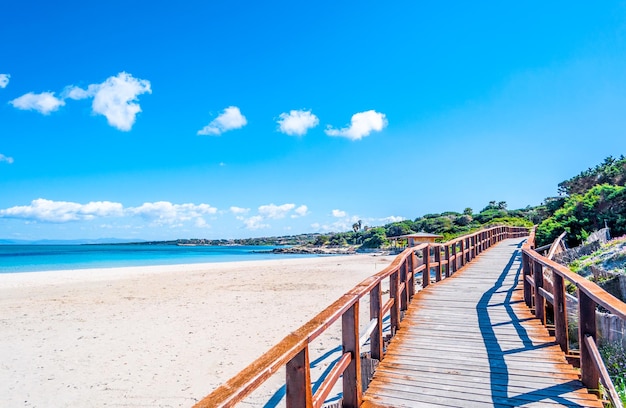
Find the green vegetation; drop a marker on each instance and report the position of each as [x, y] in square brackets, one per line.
[611, 171]
[593, 199]
[582, 214]
[614, 356]
[449, 224]
[587, 201]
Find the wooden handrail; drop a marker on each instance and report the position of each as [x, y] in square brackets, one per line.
[292, 351]
[590, 296]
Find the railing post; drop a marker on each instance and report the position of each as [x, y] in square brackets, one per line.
[456, 261]
[411, 263]
[462, 252]
[560, 312]
[447, 256]
[426, 271]
[376, 338]
[404, 295]
[352, 391]
[438, 261]
[298, 381]
[394, 313]
[540, 302]
[527, 272]
[587, 327]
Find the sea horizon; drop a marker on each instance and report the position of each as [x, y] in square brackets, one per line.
[18, 258]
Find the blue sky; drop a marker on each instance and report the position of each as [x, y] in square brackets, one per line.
[225, 119]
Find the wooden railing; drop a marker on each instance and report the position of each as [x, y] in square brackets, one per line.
[538, 293]
[433, 261]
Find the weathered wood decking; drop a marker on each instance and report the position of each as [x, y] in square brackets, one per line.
[469, 341]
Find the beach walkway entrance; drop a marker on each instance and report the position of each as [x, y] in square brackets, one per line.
[470, 341]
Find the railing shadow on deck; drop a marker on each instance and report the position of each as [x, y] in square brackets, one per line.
[545, 294]
[431, 261]
[499, 376]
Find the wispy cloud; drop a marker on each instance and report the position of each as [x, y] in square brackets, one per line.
[275, 211]
[255, 222]
[231, 118]
[301, 211]
[339, 213]
[164, 212]
[157, 213]
[269, 212]
[6, 159]
[4, 80]
[44, 102]
[361, 125]
[390, 219]
[62, 211]
[239, 210]
[115, 98]
[297, 122]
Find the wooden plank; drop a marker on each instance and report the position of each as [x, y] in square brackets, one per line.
[470, 341]
[476, 386]
[604, 374]
[330, 380]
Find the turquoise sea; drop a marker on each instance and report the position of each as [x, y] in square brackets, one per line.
[34, 258]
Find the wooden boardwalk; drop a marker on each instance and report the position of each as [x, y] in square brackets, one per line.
[470, 341]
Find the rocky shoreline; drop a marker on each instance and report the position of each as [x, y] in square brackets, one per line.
[312, 250]
[300, 249]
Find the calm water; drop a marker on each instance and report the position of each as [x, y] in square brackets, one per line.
[30, 258]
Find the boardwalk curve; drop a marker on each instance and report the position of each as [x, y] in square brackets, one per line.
[470, 341]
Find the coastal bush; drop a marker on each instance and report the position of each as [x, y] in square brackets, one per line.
[583, 213]
[611, 171]
[321, 240]
[511, 221]
[614, 357]
[399, 228]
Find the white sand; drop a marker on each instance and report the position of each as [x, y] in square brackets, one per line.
[156, 336]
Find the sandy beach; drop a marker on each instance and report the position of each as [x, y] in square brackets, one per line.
[158, 336]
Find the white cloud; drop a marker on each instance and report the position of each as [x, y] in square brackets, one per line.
[268, 212]
[164, 212]
[275, 211]
[230, 119]
[361, 125]
[115, 99]
[301, 211]
[62, 211]
[201, 223]
[44, 102]
[7, 159]
[297, 122]
[239, 210]
[159, 213]
[77, 93]
[255, 222]
[4, 80]
[339, 213]
[392, 218]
